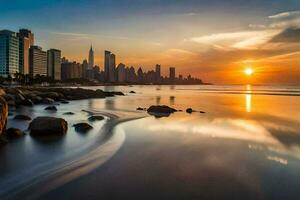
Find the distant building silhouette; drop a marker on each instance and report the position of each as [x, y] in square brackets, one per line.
[91, 59]
[157, 72]
[121, 73]
[172, 74]
[71, 70]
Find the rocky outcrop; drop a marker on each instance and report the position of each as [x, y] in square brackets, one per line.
[47, 126]
[82, 127]
[22, 117]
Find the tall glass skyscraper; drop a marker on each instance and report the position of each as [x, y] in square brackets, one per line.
[9, 53]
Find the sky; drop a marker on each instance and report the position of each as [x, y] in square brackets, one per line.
[214, 40]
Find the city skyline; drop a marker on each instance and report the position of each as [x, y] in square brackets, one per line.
[214, 40]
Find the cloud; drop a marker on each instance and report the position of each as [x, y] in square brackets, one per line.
[238, 40]
[285, 15]
[285, 20]
[290, 35]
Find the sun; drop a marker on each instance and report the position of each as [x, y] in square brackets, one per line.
[248, 71]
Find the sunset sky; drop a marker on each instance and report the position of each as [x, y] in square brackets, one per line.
[215, 40]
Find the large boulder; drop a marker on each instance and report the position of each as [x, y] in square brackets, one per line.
[47, 126]
[3, 114]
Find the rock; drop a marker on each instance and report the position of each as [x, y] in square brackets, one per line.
[95, 118]
[27, 102]
[9, 97]
[161, 111]
[48, 126]
[82, 127]
[20, 97]
[139, 108]
[36, 99]
[64, 101]
[3, 114]
[52, 95]
[189, 110]
[132, 92]
[69, 113]
[47, 101]
[13, 133]
[202, 112]
[22, 117]
[52, 108]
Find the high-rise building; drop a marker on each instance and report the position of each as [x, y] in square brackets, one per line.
[112, 68]
[38, 61]
[172, 74]
[106, 64]
[121, 73]
[109, 66]
[157, 73]
[54, 64]
[9, 53]
[91, 58]
[26, 40]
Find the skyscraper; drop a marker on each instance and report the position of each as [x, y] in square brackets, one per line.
[38, 61]
[157, 73]
[106, 64]
[172, 74]
[109, 66]
[26, 40]
[54, 64]
[9, 53]
[112, 66]
[91, 58]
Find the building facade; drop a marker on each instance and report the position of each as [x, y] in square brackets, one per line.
[71, 70]
[54, 64]
[26, 40]
[9, 53]
[38, 61]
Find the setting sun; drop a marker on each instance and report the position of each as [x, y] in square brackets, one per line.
[248, 71]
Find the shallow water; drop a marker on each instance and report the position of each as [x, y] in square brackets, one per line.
[246, 146]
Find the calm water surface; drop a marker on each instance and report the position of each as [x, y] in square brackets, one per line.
[246, 146]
